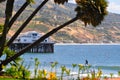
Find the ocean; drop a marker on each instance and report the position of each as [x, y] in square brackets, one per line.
[105, 55]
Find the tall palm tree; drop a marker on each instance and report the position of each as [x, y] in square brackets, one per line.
[8, 14]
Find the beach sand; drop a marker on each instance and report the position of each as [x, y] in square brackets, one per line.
[117, 78]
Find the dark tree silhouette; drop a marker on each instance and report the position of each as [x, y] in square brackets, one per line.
[14, 18]
[2, 1]
[8, 14]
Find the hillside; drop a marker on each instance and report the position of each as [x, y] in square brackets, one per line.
[53, 15]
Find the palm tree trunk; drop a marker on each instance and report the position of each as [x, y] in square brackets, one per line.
[8, 14]
[26, 22]
[38, 41]
[17, 14]
[3, 37]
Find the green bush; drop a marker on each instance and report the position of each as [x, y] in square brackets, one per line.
[19, 72]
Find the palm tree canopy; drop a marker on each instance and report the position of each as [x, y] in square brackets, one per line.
[91, 11]
[60, 1]
[2, 1]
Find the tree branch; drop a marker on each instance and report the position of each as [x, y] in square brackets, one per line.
[26, 22]
[38, 41]
[8, 14]
[17, 14]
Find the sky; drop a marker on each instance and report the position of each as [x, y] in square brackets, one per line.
[113, 6]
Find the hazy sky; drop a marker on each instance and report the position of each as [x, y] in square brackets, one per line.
[114, 6]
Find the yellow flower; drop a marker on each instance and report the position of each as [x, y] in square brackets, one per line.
[3, 66]
[39, 73]
[81, 66]
[52, 76]
[99, 73]
[44, 72]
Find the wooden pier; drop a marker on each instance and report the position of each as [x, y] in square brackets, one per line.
[24, 39]
[40, 48]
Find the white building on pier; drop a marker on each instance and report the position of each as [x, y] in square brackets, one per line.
[24, 39]
[30, 37]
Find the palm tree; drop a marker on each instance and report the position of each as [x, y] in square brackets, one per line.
[2, 1]
[8, 22]
[8, 14]
[60, 1]
[89, 11]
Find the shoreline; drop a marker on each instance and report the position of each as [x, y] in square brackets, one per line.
[87, 43]
[117, 78]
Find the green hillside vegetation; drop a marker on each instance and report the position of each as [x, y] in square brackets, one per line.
[53, 15]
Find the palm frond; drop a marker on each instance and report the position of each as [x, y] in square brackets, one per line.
[2, 1]
[60, 1]
[91, 11]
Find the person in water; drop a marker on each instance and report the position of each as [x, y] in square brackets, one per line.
[86, 62]
[86, 65]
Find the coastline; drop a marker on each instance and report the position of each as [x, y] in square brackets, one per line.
[87, 43]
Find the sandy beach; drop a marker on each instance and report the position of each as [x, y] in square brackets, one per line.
[117, 78]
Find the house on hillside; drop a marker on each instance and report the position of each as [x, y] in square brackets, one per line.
[24, 39]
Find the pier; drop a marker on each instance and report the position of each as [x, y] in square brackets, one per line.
[27, 38]
[40, 48]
